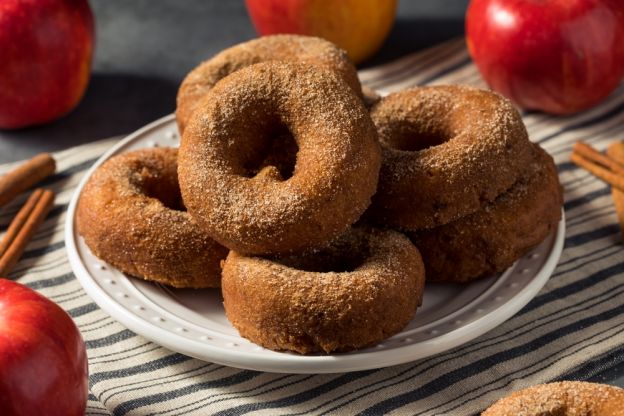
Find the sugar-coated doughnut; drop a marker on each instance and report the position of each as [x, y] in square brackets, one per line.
[564, 398]
[492, 239]
[305, 49]
[252, 207]
[130, 214]
[447, 151]
[361, 289]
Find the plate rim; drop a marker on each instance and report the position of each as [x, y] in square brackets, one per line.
[290, 363]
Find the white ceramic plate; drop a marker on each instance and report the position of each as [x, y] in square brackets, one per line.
[193, 322]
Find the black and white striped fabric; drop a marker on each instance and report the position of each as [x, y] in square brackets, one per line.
[573, 328]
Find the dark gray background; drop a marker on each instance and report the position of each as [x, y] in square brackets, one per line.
[145, 47]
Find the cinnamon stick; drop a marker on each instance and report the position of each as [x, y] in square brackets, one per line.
[25, 175]
[616, 152]
[614, 179]
[20, 219]
[594, 155]
[36, 215]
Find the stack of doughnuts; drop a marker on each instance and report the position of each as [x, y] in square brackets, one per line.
[306, 198]
[460, 177]
[298, 277]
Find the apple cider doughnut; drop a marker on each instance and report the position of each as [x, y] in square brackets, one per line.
[289, 48]
[256, 210]
[131, 215]
[447, 151]
[362, 288]
[490, 240]
[564, 398]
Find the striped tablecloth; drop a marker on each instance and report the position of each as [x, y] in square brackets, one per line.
[572, 329]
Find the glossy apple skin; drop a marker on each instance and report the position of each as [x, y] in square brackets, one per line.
[45, 59]
[558, 56]
[357, 26]
[43, 362]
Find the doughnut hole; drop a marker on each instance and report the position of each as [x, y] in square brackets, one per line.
[279, 150]
[273, 145]
[163, 187]
[345, 254]
[409, 136]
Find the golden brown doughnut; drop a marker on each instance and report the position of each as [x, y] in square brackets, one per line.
[130, 214]
[564, 398]
[447, 151]
[305, 49]
[363, 288]
[493, 238]
[335, 174]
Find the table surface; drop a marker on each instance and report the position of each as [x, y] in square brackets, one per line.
[144, 49]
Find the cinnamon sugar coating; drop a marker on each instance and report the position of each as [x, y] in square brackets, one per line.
[565, 398]
[290, 48]
[130, 214]
[361, 289]
[251, 207]
[492, 239]
[447, 152]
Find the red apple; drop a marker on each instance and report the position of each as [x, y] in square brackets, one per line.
[43, 362]
[357, 26]
[559, 56]
[45, 59]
